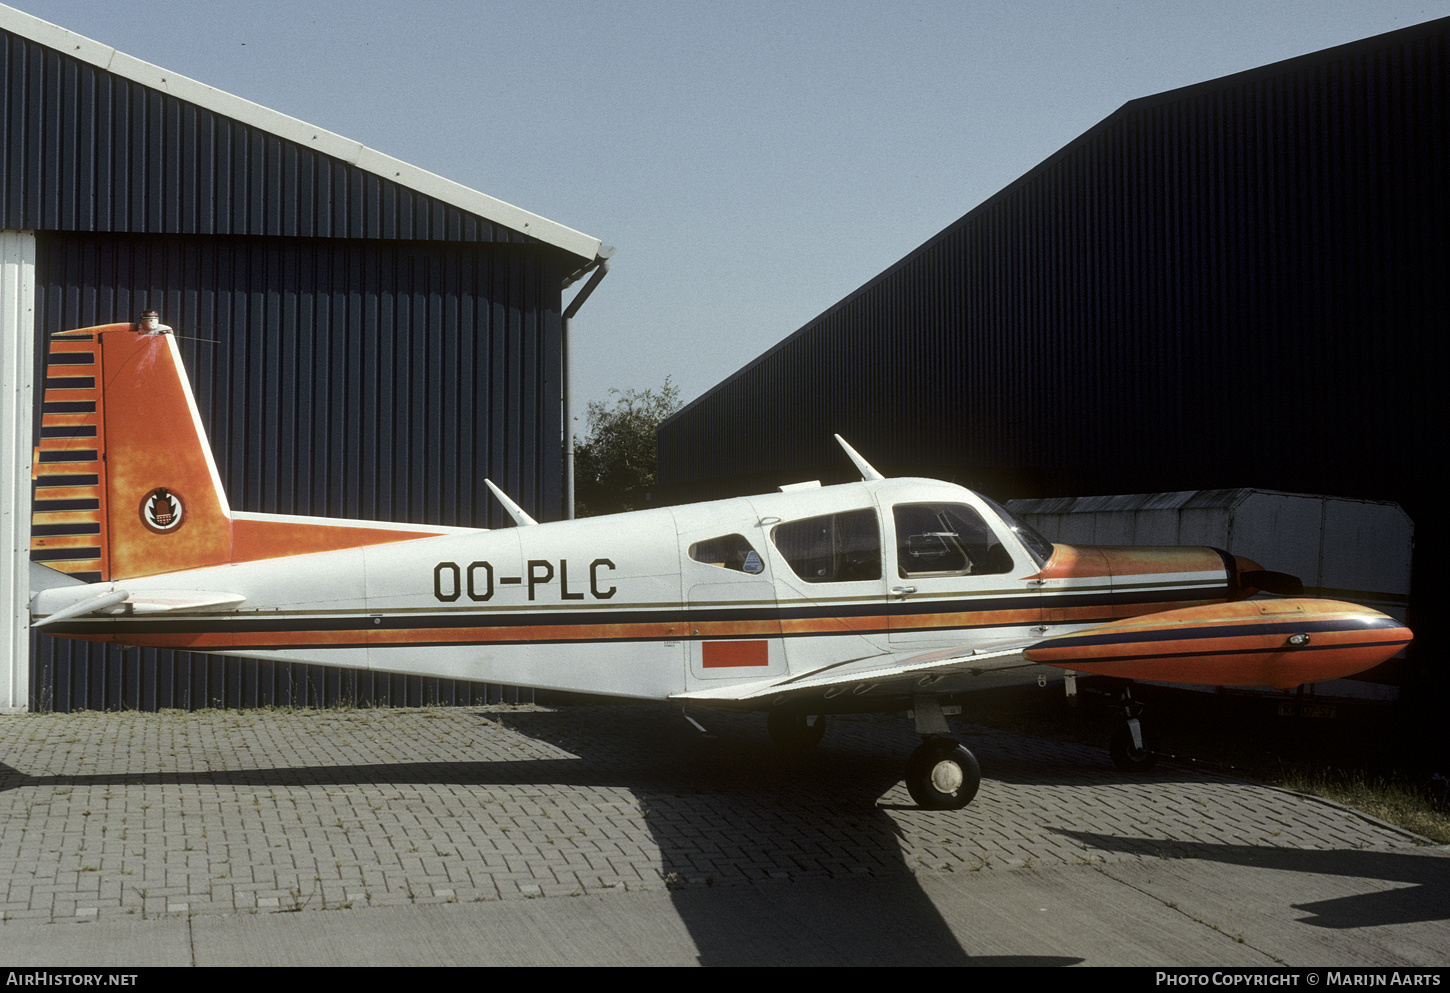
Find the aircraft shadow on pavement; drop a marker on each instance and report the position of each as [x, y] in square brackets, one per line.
[730, 807]
[1426, 899]
[649, 750]
[724, 809]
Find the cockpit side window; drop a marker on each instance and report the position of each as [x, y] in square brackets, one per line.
[946, 539]
[836, 548]
[729, 551]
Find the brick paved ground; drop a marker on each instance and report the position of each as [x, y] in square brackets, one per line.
[260, 811]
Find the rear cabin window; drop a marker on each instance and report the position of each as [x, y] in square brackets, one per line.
[946, 539]
[729, 551]
[836, 548]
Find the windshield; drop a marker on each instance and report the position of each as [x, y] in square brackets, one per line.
[1037, 546]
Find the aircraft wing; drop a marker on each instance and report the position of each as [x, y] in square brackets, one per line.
[1281, 643]
[888, 673]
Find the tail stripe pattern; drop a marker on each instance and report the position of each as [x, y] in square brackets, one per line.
[68, 525]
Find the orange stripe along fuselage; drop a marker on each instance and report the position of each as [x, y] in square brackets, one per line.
[770, 590]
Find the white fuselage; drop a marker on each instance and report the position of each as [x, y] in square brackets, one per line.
[646, 604]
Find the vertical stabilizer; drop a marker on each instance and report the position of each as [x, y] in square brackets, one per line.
[125, 482]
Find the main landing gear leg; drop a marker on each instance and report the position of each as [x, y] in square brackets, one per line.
[941, 774]
[1133, 747]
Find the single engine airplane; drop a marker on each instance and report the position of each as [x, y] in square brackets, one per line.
[883, 594]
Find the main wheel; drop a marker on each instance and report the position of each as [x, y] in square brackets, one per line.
[1128, 756]
[942, 775]
[789, 729]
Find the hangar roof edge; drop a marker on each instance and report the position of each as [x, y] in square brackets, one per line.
[355, 153]
[1348, 49]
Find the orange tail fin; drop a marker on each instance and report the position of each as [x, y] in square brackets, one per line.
[125, 483]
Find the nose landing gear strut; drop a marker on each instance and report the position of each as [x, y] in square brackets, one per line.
[1133, 747]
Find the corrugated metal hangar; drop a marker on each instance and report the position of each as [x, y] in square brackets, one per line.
[1242, 283]
[365, 339]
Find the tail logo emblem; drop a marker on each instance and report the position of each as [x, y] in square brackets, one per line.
[161, 511]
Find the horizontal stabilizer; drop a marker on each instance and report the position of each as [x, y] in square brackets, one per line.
[89, 605]
[166, 601]
[64, 602]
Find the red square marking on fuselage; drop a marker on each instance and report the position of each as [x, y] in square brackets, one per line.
[734, 654]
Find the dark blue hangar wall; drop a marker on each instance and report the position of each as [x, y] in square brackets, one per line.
[1241, 283]
[357, 349]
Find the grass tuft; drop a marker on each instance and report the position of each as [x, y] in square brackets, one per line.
[1355, 758]
[1393, 799]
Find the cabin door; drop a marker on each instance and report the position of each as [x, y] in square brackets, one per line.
[732, 622]
[953, 581]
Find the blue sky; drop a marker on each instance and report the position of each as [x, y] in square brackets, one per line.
[753, 163]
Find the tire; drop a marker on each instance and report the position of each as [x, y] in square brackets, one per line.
[794, 731]
[1127, 756]
[942, 775]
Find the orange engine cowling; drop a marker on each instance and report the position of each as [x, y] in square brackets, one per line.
[1277, 643]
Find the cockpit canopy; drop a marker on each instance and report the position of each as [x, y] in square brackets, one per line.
[936, 530]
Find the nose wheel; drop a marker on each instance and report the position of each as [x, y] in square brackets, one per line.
[1130, 753]
[942, 775]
